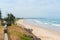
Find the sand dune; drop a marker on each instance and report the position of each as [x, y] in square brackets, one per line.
[42, 33]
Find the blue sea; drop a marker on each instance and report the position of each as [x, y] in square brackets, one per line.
[52, 24]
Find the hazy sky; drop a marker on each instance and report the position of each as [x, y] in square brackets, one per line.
[31, 8]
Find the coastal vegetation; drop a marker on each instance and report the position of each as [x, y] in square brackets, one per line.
[14, 31]
[18, 33]
[1, 33]
[10, 19]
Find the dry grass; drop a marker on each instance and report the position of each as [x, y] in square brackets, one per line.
[17, 33]
[1, 33]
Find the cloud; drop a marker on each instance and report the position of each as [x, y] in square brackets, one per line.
[33, 8]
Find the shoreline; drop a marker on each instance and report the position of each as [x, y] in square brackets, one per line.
[40, 32]
[41, 24]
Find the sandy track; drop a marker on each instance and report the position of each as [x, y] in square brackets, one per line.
[5, 36]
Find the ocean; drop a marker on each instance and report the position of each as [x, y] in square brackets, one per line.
[51, 24]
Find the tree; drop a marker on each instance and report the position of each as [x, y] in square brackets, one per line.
[10, 18]
[0, 18]
[0, 15]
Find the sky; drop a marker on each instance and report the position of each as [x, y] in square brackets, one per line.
[31, 8]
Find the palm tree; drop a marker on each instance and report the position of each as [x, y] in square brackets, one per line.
[10, 19]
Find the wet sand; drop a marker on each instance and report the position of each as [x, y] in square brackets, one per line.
[42, 33]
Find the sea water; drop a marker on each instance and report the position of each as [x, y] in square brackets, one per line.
[52, 24]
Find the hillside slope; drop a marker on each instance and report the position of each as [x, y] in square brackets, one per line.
[18, 33]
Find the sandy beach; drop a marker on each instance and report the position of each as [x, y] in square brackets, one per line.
[42, 33]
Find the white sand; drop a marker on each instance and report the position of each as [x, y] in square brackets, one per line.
[42, 33]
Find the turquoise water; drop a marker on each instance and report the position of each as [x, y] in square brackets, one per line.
[55, 22]
[52, 24]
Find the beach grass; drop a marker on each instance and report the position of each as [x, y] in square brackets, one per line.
[1, 33]
[17, 33]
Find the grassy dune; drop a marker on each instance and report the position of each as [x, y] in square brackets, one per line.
[17, 33]
[1, 33]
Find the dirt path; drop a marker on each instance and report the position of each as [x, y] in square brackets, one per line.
[5, 36]
[5, 33]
